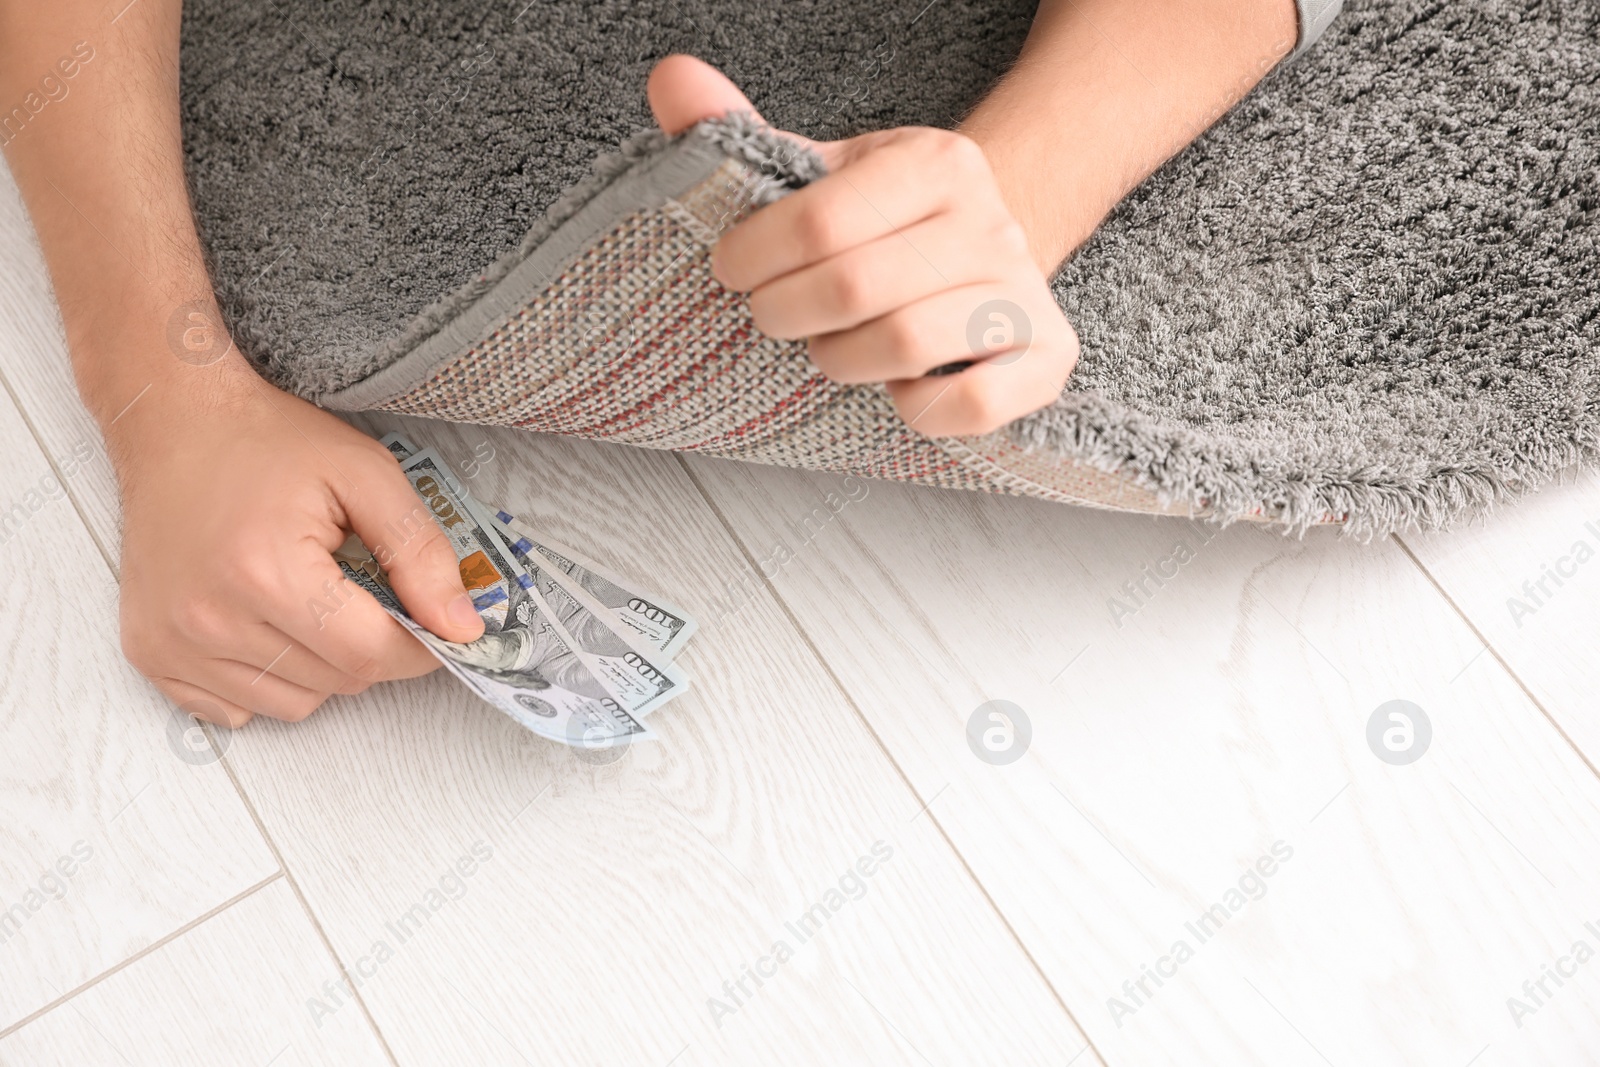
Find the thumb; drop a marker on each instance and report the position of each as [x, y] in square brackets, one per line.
[389, 517]
[683, 90]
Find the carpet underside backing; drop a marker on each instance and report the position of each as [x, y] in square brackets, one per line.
[1366, 296]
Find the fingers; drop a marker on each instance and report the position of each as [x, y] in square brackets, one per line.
[683, 90]
[203, 704]
[341, 625]
[271, 649]
[873, 279]
[997, 322]
[240, 686]
[987, 395]
[882, 183]
[385, 512]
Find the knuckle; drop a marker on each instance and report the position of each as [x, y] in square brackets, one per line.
[299, 709]
[200, 619]
[904, 340]
[371, 451]
[361, 658]
[824, 354]
[434, 548]
[765, 312]
[1011, 240]
[850, 288]
[1074, 346]
[429, 552]
[253, 572]
[366, 667]
[981, 409]
[961, 153]
[817, 231]
[139, 650]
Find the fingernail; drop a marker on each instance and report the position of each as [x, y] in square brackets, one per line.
[462, 613]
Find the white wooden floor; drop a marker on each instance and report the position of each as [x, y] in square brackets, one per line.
[246, 909]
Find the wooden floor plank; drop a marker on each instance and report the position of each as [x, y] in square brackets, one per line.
[232, 990]
[116, 825]
[621, 906]
[1191, 722]
[616, 907]
[1529, 581]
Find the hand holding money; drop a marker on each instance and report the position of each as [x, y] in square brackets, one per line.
[232, 505]
[569, 650]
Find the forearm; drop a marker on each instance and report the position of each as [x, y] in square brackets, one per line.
[1106, 91]
[101, 170]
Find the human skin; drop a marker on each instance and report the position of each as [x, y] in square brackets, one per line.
[235, 494]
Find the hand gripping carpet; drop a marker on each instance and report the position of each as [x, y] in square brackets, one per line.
[1366, 297]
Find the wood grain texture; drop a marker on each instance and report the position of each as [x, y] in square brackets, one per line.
[613, 909]
[1529, 581]
[1176, 739]
[618, 899]
[37, 374]
[229, 991]
[1173, 745]
[109, 838]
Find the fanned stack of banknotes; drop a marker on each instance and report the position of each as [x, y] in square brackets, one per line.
[569, 650]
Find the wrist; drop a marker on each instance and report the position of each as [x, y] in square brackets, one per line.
[1107, 90]
[149, 399]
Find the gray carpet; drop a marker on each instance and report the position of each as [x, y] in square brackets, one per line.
[1367, 292]
[371, 157]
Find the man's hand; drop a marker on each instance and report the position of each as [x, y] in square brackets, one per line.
[903, 260]
[231, 601]
[234, 494]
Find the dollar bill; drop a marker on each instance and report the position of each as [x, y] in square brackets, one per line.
[487, 568]
[664, 626]
[551, 699]
[398, 445]
[655, 619]
[641, 675]
[526, 663]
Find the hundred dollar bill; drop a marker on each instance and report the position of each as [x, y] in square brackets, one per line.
[640, 674]
[481, 548]
[398, 445]
[537, 680]
[488, 571]
[524, 647]
[659, 622]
